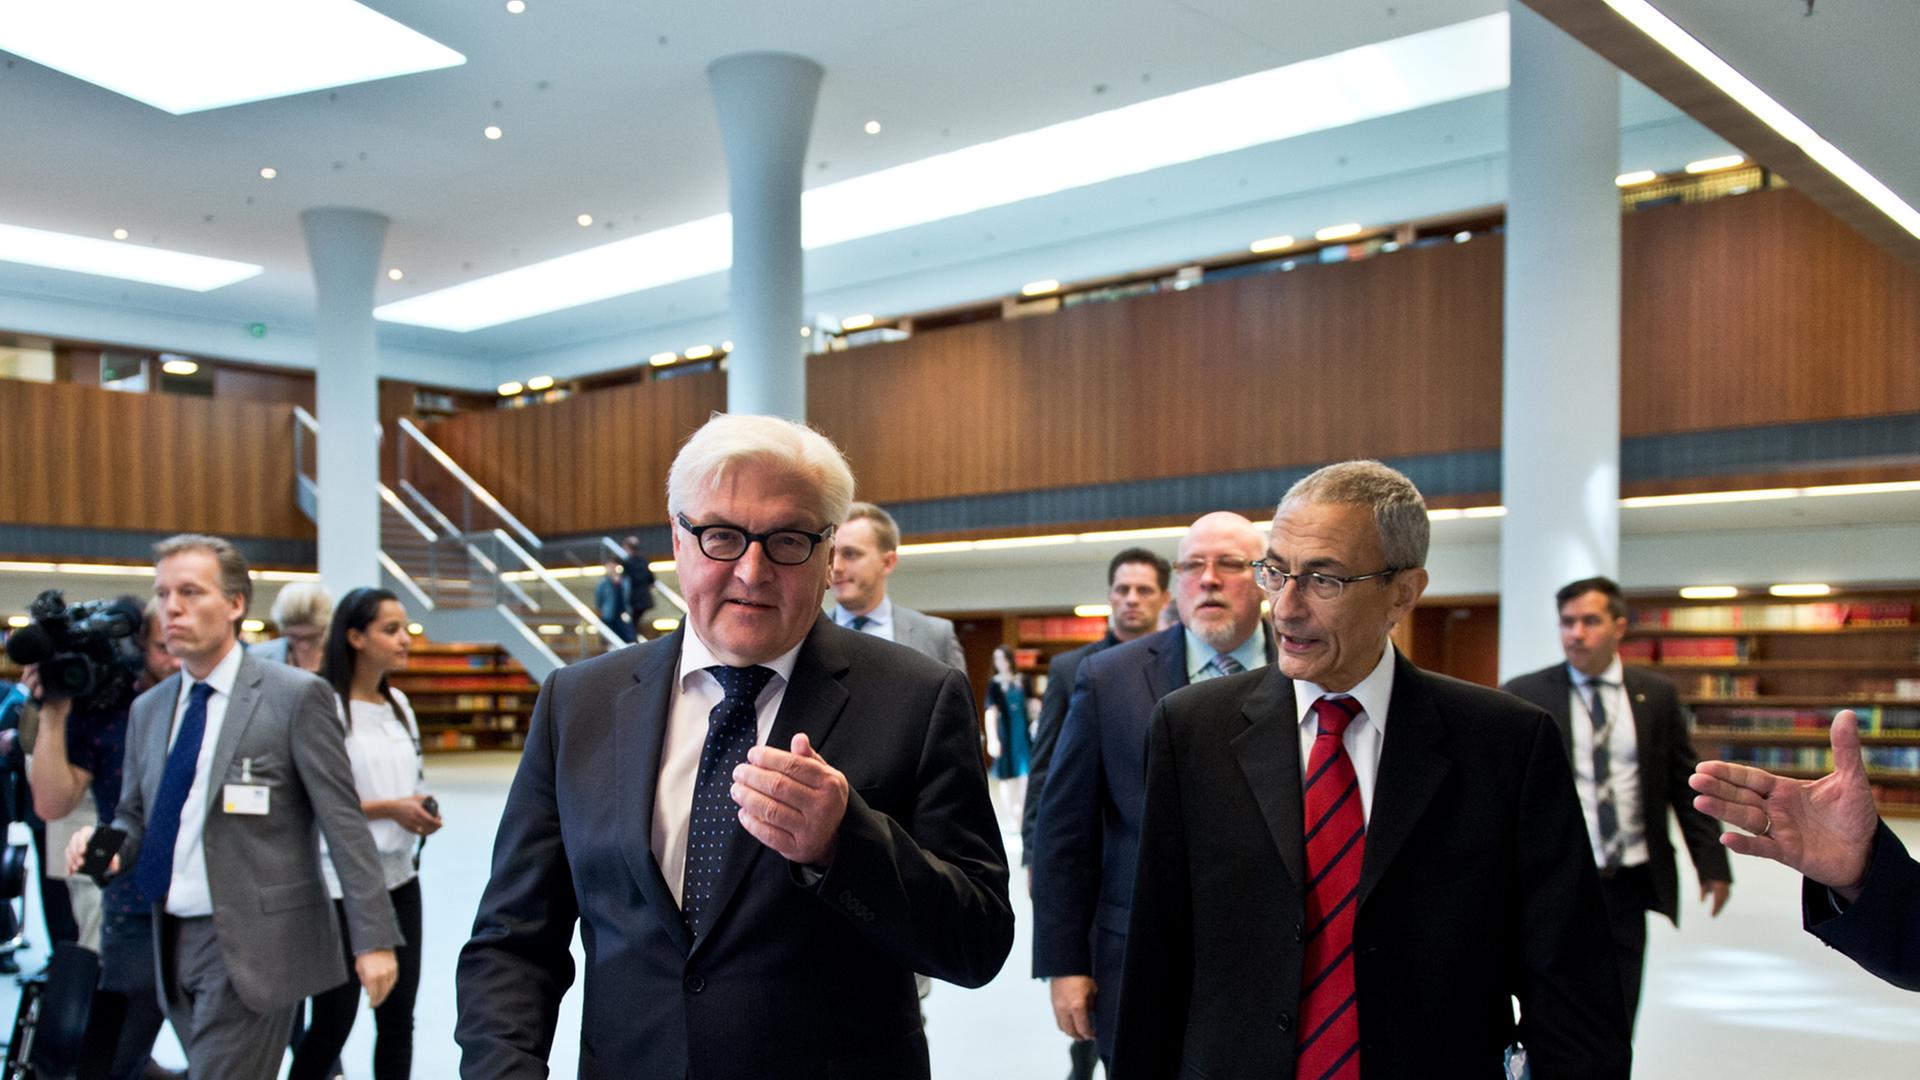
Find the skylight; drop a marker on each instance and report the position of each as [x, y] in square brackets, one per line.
[187, 56]
[112, 258]
[1326, 92]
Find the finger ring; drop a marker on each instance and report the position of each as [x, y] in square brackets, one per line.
[1769, 828]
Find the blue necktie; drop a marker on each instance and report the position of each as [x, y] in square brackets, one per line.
[153, 874]
[732, 728]
[859, 622]
[1221, 665]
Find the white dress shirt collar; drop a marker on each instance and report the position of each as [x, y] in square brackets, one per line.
[1615, 674]
[221, 678]
[879, 620]
[1252, 652]
[1373, 692]
[696, 658]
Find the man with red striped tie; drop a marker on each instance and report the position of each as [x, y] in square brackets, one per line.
[1351, 867]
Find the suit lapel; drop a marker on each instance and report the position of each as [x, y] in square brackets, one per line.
[812, 704]
[1559, 703]
[166, 698]
[1168, 671]
[240, 709]
[1412, 766]
[1269, 755]
[1648, 754]
[639, 733]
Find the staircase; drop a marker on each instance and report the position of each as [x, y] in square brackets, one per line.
[465, 567]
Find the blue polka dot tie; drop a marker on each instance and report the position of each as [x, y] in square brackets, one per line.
[731, 730]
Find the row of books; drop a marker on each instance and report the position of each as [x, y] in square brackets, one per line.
[1708, 684]
[464, 740]
[1821, 616]
[1704, 651]
[1062, 628]
[1874, 719]
[1895, 759]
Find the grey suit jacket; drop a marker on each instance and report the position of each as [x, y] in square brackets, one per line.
[278, 935]
[928, 635]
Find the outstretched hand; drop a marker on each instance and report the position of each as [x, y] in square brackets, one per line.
[791, 801]
[1823, 828]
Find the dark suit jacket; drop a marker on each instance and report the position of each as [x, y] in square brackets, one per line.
[1876, 931]
[1666, 761]
[1046, 734]
[1089, 826]
[792, 980]
[1476, 887]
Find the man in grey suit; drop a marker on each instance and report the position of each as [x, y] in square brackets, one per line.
[865, 551]
[235, 767]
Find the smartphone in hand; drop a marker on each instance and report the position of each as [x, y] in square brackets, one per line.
[102, 846]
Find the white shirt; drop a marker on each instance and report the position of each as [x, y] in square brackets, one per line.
[1364, 737]
[879, 620]
[695, 693]
[384, 750]
[1623, 762]
[189, 895]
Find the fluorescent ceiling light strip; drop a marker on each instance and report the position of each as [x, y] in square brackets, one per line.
[1768, 111]
[1702, 498]
[1093, 611]
[1049, 540]
[1885, 488]
[1708, 592]
[1372, 81]
[116, 259]
[191, 55]
[938, 547]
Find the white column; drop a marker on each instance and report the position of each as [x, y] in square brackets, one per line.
[1560, 409]
[344, 247]
[765, 101]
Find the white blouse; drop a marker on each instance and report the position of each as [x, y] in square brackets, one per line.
[384, 750]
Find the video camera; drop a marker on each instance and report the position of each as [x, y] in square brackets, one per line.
[90, 652]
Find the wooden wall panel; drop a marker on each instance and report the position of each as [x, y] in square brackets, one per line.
[1762, 309]
[1390, 356]
[595, 461]
[82, 457]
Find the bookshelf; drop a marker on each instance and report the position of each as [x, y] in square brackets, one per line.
[467, 696]
[1765, 676]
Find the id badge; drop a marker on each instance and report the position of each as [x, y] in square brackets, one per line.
[246, 799]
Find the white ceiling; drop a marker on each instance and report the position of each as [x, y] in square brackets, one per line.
[606, 111]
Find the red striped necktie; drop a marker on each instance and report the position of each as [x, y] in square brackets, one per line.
[1336, 842]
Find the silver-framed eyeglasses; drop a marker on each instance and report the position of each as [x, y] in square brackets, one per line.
[1320, 586]
[727, 543]
[1224, 565]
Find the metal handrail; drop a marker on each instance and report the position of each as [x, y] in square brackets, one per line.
[406, 579]
[387, 496]
[533, 638]
[473, 487]
[587, 614]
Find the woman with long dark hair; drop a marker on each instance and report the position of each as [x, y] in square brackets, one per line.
[367, 641]
[1008, 723]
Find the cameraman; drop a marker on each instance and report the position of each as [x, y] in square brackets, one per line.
[77, 751]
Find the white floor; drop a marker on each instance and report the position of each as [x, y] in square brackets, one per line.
[1746, 991]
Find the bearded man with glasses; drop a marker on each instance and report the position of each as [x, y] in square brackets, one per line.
[763, 823]
[1089, 822]
[1352, 867]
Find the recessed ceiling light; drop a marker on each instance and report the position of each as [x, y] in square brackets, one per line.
[120, 234]
[1040, 288]
[129, 262]
[662, 359]
[1801, 589]
[1271, 243]
[1337, 232]
[1462, 236]
[18, 621]
[1638, 176]
[252, 626]
[1434, 66]
[806, 331]
[416, 629]
[269, 173]
[188, 57]
[726, 346]
[856, 322]
[395, 274]
[699, 352]
[508, 389]
[180, 367]
[1768, 111]
[540, 382]
[873, 127]
[492, 131]
[1709, 592]
[584, 220]
[1092, 611]
[516, 7]
[1715, 164]
[666, 626]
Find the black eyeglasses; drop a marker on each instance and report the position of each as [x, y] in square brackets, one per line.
[1317, 585]
[727, 543]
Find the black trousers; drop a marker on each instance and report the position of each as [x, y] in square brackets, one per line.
[126, 968]
[334, 1011]
[1628, 894]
